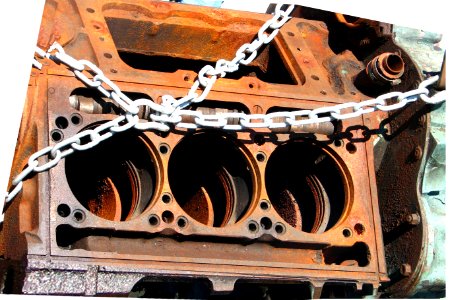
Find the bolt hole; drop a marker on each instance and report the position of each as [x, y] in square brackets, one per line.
[166, 198]
[251, 85]
[63, 210]
[266, 223]
[79, 216]
[259, 139]
[260, 157]
[186, 78]
[75, 119]
[113, 71]
[96, 27]
[359, 228]
[290, 33]
[347, 232]
[61, 122]
[57, 135]
[90, 10]
[323, 92]
[298, 49]
[252, 227]
[351, 148]
[167, 216]
[107, 55]
[279, 228]
[153, 220]
[264, 205]
[315, 77]
[164, 148]
[182, 222]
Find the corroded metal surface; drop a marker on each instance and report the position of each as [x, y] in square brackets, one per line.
[255, 205]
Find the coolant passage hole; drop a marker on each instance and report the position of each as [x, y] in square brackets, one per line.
[210, 179]
[306, 186]
[114, 180]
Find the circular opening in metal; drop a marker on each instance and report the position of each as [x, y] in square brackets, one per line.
[315, 77]
[394, 63]
[182, 222]
[79, 216]
[266, 223]
[290, 33]
[116, 179]
[351, 148]
[359, 228]
[279, 228]
[164, 148]
[167, 216]
[61, 122]
[56, 135]
[166, 198]
[76, 119]
[90, 10]
[107, 55]
[264, 205]
[307, 186]
[210, 179]
[63, 210]
[252, 226]
[261, 157]
[347, 232]
[153, 220]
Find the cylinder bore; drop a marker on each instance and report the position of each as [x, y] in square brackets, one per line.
[386, 68]
[210, 179]
[306, 186]
[116, 179]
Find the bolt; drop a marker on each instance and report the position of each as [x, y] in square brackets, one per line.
[417, 153]
[413, 219]
[405, 270]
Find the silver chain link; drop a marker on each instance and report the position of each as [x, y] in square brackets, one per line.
[171, 110]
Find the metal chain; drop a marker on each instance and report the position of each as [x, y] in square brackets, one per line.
[171, 110]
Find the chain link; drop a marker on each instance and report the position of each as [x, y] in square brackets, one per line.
[172, 110]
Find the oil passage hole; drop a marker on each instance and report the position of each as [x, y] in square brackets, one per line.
[164, 148]
[63, 210]
[346, 232]
[61, 122]
[210, 178]
[306, 185]
[56, 135]
[264, 205]
[261, 157]
[153, 220]
[182, 222]
[78, 216]
[279, 228]
[167, 216]
[111, 181]
[252, 226]
[166, 198]
[76, 119]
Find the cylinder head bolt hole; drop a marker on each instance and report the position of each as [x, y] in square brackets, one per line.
[167, 216]
[182, 222]
[264, 205]
[61, 122]
[266, 223]
[166, 198]
[210, 178]
[63, 210]
[306, 186]
[153, 220]
[111, 181]
[346, 232]
[164, 148]
[260, 156]
[56, 135]
[76, 119]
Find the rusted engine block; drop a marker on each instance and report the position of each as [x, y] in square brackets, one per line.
[224, 209]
